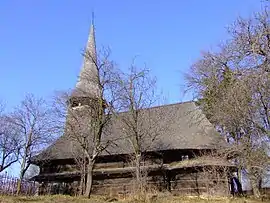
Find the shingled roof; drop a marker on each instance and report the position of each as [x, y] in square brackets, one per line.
[178, 126]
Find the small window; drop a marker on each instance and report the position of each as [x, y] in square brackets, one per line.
[76, 104]
[184, 157]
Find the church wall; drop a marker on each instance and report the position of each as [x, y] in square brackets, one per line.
[106, 162]
[52, 168]
[64, 188]
[193, 181]
[127, 185]
[182, 181]
[187, 182]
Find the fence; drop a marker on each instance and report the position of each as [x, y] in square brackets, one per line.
[8, 186]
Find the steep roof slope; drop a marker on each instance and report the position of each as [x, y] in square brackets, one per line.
[174, 126]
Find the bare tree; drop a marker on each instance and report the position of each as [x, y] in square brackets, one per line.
[216, 170]
[88, 117]
[141, 125]
[34, 125]
[9, 142]
[232, 87]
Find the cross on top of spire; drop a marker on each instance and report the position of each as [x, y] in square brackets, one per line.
[93, 19]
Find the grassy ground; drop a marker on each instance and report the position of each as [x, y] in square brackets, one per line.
[167, 199]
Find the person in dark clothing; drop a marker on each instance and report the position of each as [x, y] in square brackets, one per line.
[236, 187]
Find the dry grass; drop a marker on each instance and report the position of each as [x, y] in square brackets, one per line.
[100, 199]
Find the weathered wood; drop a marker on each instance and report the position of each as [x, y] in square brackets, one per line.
[115, 175]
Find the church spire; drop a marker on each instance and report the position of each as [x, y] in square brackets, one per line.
[87, 85]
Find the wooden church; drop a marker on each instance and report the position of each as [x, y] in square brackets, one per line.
[178, 161]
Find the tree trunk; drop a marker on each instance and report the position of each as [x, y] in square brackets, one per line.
[89, 179]
[260, 182]
[22, 172]
[83, 174]
[255, 188]
[24, 165]
[19, 183]
[138, 172]
[239, 174]
[253, 181]
[82, 184]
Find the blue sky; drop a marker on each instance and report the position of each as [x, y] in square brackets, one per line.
[41, 41]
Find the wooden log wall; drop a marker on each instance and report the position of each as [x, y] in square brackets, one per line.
[182, 181]
[124, 186]
[197, 183]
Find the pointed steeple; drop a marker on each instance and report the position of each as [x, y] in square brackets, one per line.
[87, 85]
